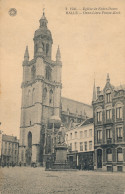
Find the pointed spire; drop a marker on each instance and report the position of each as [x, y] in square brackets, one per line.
[108, 78]
[58, 54]
[26, 55]
[94, 92]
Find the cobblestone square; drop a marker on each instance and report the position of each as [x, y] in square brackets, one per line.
[27, 180]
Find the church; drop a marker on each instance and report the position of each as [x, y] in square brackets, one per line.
[44, 112]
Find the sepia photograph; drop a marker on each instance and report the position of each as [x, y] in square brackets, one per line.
[62, 97]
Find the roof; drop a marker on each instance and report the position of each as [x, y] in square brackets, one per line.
[121, 87]
[87, 122]
[76, 107]
[9, 138]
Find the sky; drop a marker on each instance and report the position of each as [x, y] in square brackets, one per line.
[91, 46]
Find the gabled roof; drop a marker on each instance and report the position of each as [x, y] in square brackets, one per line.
[76, 107]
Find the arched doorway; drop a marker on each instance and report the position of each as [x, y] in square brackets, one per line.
[99, 158]
[29, 149]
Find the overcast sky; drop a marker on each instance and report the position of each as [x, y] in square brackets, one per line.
[88, 44]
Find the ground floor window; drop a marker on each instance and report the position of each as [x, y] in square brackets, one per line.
[119, 155]
[119, 168]
[109, 154]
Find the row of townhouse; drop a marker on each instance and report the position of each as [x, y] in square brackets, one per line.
[106, 142]
[9, 150]
[81, 145]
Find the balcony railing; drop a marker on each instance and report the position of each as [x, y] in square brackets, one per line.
[99, 141]
[119, 139]
[109, 140]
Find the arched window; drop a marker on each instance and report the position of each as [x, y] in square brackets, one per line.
[48, 73]
[109, 154]
[44, 94]
[51, 97]
[119, 155]
[47, 49]
[33, 96]
[33, 72]
[29, 140]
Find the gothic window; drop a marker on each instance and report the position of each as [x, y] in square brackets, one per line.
[47, 49]
[51, 97]
[109, 154]
[33, 72]
[48, 73]
[119, 155]
[29, 139]
[44, 94]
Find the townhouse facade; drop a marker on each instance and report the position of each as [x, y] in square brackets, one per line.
[9, 150]
[109, 127]
[81, 145]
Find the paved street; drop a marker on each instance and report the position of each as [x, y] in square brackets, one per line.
[25, 180]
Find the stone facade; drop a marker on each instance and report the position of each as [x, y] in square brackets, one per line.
[41, 107]
[109, 127]
[9, 150]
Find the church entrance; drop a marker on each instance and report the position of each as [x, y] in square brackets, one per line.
[99, 158]
[29, 149]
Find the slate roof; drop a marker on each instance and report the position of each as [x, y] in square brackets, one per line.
[76, 107]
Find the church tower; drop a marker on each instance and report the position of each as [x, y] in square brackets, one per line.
[41, 95]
